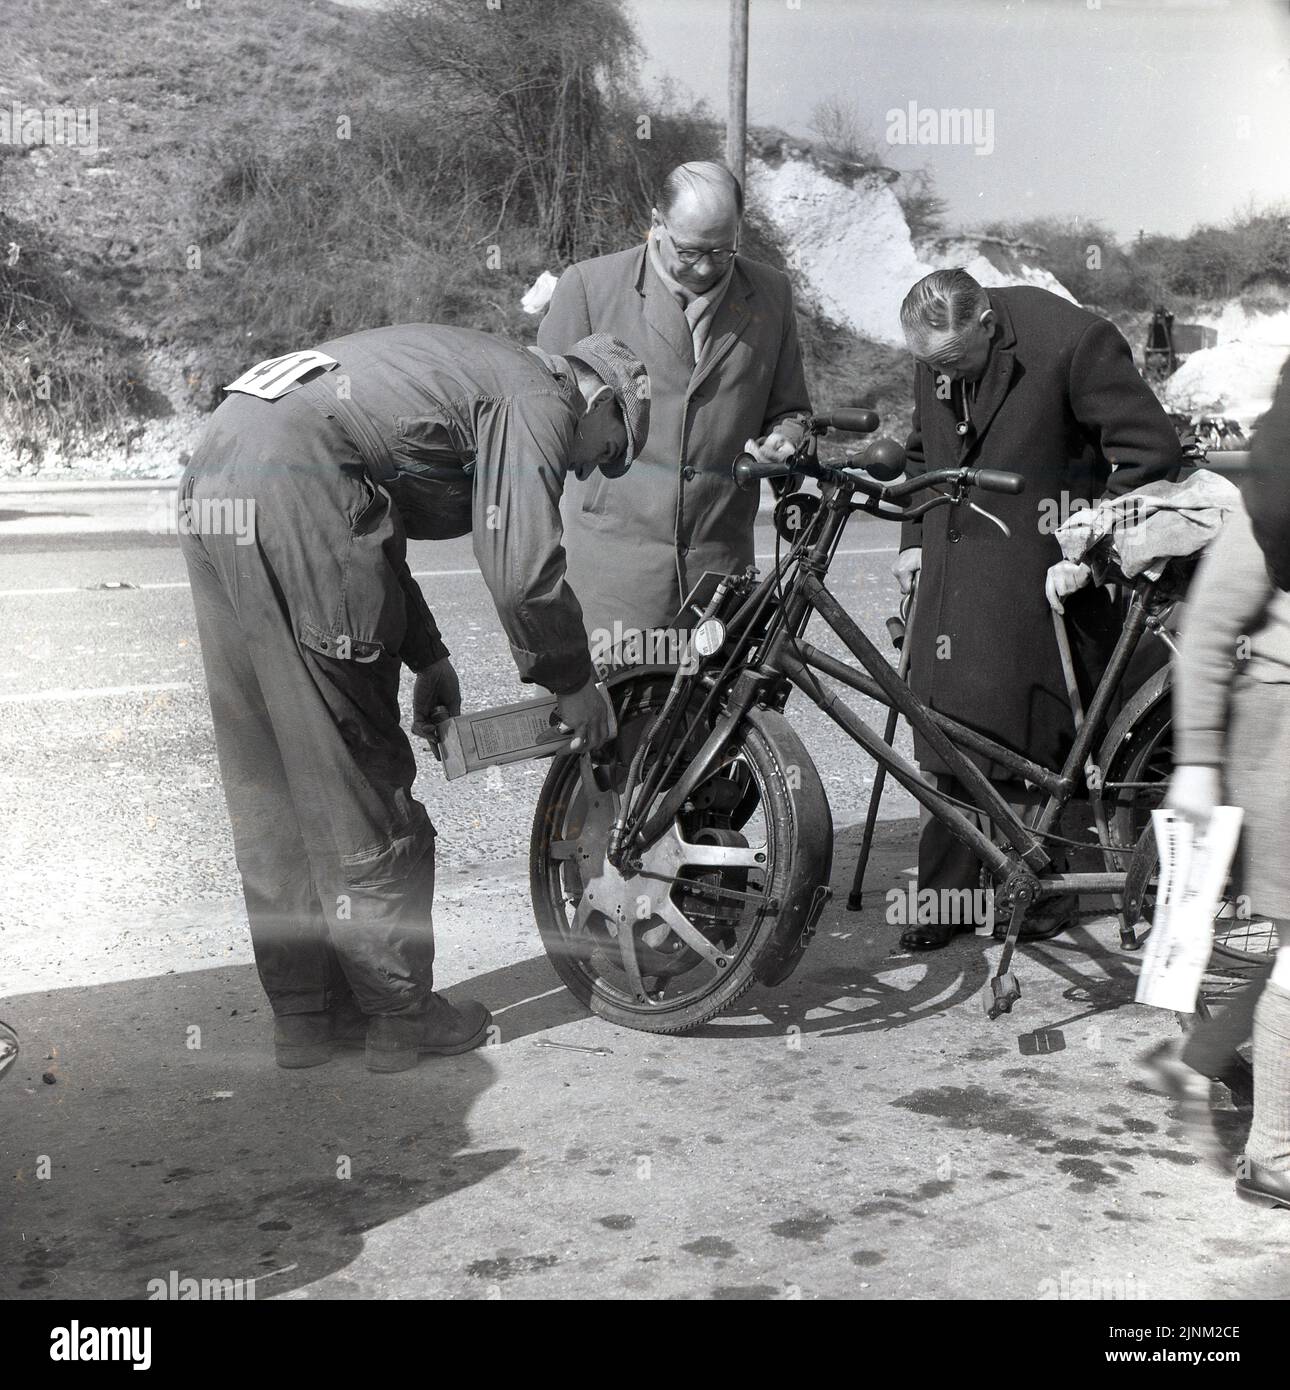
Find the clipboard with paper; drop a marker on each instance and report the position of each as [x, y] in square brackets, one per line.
[1193, 872]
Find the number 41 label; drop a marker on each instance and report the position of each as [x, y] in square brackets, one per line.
[278, 375]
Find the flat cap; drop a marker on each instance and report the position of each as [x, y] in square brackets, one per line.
[621, 370]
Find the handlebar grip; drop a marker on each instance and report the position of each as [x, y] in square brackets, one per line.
[992, 480]
[854, 421]
[748, 469]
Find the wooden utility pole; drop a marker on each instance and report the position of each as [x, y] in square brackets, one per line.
[737, 97]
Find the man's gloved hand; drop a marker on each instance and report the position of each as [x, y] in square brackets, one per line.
[909, 563]
[773, 448]
[1194, 790]
[585, 713]
[435, 696]
[1064, 578]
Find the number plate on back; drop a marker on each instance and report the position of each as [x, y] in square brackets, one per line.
[278, 375]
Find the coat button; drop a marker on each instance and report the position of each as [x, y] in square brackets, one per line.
[955, 534]
[688, 473]
[683, 549]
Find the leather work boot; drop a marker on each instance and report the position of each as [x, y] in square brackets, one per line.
[395, 1042]
[348, 1023]
[302, 1040]
[306, 1040]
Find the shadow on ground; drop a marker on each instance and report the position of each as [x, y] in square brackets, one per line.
[855, 977]
[142, 1153]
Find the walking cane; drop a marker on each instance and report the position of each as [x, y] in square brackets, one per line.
[1077, 711]
[899, 628]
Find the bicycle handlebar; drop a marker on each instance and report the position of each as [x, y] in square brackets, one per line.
[856, 420]
[992, 480]
[988, 479]
[748, 469]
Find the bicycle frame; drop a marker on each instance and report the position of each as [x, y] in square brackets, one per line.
[785, 659]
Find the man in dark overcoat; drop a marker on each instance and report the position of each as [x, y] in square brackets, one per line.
[1018, 379]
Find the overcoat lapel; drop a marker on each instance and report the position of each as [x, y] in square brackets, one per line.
[998, 375]
[663, 314]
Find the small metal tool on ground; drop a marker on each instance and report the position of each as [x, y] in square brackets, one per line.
[1091, 770]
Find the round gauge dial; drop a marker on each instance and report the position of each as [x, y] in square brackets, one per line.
[709, 637]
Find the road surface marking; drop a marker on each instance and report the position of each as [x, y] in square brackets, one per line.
[102, 692]
[416, 574]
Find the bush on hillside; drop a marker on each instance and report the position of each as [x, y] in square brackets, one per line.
[64, 376]
[548, 92]
[1210, 263]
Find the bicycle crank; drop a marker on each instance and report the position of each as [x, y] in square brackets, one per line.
[1005, 988]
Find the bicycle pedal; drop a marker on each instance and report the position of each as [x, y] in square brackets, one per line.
[1005, 990]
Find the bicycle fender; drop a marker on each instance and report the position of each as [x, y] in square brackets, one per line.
[811, 853]
[1158, 686]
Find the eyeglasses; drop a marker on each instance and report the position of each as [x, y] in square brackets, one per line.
[692, 255]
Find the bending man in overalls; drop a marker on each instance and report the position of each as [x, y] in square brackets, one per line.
[336, 457]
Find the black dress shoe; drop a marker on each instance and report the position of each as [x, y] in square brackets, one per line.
[1264, 1185]
[1047, 919]
[931, 936]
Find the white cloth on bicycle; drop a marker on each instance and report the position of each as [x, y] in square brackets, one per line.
[1152, 524]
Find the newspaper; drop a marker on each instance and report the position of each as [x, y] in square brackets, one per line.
[1193, 874]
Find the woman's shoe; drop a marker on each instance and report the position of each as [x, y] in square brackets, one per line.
[1190, 1092]
[1265, 1185]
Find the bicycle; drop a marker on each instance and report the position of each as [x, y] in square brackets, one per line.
[695, 860]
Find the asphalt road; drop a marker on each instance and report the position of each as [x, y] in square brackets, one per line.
[106, 736]
[861, 1131]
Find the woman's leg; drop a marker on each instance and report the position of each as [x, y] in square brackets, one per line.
[1269, 1143]
[1259, 746]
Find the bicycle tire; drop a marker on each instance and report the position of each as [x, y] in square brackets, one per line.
[798, 849]
[1144, 755]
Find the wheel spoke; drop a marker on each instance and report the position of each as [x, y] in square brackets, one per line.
[690, 934]
[562, 849]
[627, 950]
[721, 856]
[581, 917]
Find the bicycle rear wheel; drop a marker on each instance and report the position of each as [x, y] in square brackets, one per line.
[1239, 937]
[1141, 770]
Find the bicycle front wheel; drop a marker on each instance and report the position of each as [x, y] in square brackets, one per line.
[726, 898]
